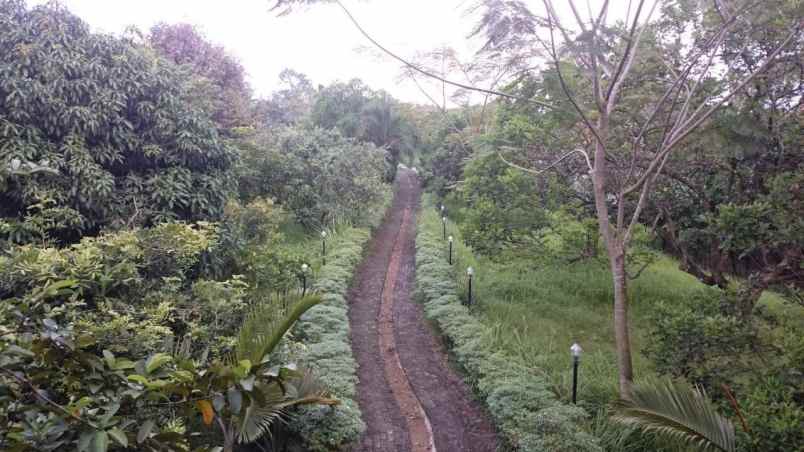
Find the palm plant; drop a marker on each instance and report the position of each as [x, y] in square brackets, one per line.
[677, 412]
[245, 394]
[271, 389]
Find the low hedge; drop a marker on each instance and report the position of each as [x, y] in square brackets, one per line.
[324, 331]
[525, 411]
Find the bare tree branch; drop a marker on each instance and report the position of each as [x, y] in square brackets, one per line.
[693, 123]
[549, 167]
[430, 74]
[628, 58]
[557, 64]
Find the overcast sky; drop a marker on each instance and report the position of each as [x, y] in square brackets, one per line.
[318, 41]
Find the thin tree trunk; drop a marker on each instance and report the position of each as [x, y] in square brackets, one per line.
[621, 328]
[616, 253]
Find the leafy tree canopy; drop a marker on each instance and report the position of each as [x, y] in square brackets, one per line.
[219, 75]
[110, 122]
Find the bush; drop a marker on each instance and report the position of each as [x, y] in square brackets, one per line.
[138, 293]
[519, 401]
[318, 175]
[703, 341]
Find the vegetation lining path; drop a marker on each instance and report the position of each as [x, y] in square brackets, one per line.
[411, 400]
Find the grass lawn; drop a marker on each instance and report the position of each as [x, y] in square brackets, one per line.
[535, 315]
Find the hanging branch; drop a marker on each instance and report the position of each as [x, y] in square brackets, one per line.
[431, 74]
[551, 166]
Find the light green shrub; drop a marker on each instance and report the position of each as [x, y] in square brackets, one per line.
[324, 330]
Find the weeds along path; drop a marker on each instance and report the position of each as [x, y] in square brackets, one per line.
[410, 398]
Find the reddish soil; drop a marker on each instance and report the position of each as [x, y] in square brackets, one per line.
[410, 398]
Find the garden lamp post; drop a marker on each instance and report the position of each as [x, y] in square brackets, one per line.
[576, 359]
[450, 249]
[323, 247]
[444, 226]
[469, 273]
[304, 269]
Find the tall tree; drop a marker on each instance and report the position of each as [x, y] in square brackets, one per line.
[227, 91]
[111, 124]
[289, 105]
[363, 114]
[633, 135]
[730, 203]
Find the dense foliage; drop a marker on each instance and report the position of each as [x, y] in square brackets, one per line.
[366, 115]
[704, 341]
[109, 121]
[101, 338]
[317, 174]
[219, 80]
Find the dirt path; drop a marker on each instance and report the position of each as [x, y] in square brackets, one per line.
[410, 398]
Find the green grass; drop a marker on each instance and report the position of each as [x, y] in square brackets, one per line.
[535, 312]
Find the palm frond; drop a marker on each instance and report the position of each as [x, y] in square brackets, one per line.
[259, 419]
[678, 412]
[267, 323]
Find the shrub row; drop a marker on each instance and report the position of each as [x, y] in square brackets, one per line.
[526, 412]
[324, 330]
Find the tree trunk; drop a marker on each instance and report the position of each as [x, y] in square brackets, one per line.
[616, 252]
[621, 328]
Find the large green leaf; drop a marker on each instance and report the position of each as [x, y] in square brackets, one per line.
[145, 430]
[678, 412]
[156, 361]
[100, 442]
[119, 436]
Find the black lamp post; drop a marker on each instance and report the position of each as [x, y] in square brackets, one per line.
[450, 249]
[304, 269]
[576, 359]
[323, 247]
[469, 273]
[444, 226]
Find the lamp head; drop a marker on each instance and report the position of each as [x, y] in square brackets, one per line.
[470, 271]
[304, 268]
[576, 350]
[323, 234]
[450, 239]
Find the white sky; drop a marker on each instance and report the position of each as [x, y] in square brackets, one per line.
[318, 41]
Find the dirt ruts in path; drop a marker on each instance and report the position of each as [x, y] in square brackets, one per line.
[411, 400]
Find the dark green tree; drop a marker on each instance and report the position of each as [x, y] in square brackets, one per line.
[110, 121]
